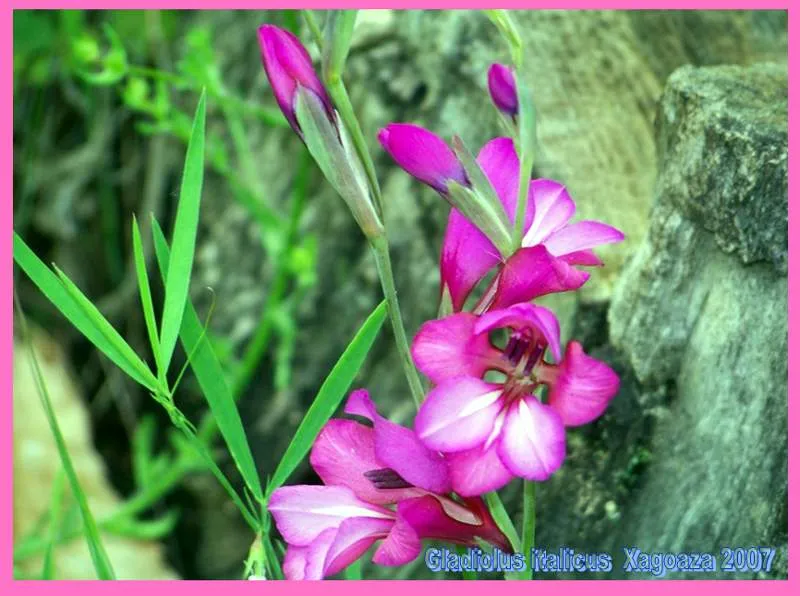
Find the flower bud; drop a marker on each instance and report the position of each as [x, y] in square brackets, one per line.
[288, 66]
[423, 155]
[503, 89]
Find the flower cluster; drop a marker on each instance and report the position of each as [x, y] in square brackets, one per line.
[503, 390]
[382, 484]
[491, 432]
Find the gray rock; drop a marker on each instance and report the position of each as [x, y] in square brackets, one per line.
[702, 309]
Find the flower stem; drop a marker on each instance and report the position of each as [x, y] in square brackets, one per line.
[526, 164]
[380, 248]
[528, 520]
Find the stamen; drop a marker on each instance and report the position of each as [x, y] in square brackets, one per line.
[535, 355]
[385, 479]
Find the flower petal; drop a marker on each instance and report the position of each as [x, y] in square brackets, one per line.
[499, 161]
[401, 546]
[553, 207]
[314, 556]
[533, 442]
[533, 272]
[423, 155]
[398, 448]
[467, 255]
[524, 316]
[303, 512]
[359, 403]
[477, 471]
[353, 539]
[429, 519]
[344, 452]
[295, 560]
[582, 257]
[582, 387]
[581, 236]
[448, 347]
[458, 414]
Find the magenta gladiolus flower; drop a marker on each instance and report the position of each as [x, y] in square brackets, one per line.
[551, 246]
[288, 65]
[493, 432]
[423, 155]
[503, 89]
[381, 485]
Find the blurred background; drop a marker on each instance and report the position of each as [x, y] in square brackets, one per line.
[669, 125]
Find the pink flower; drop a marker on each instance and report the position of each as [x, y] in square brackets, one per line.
[422, 154]
[493, 432]
[551, 246]
[503, 89]
[381, 485]
[288, 65]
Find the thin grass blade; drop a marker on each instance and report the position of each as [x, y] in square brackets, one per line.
[329, 397]
[100, 560]
[211, 379]
[147, 299]
[184, 235]
[83, 315]
[54, 525]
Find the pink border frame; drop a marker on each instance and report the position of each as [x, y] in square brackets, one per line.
[348, 588]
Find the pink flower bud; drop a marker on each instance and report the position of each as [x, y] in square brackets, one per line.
[423, 155]
[503, 89]
[288, 66]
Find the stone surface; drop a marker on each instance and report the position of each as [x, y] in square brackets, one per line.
[702, 310]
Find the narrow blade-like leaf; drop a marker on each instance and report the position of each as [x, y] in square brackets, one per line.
[107, 330]
[184, 236]
[329, 397]
[100, 560]
[105, 338]
[211, 378]
[147, 298]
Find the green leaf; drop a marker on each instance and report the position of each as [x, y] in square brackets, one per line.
[353, 571]
[100, 559]
[211, 378]
[106, 329]
[79, 311]
[329, 397]
[56, 506]
[147, 299]
[184, 236]
[151, 529]
[502, 519]
[528, 522]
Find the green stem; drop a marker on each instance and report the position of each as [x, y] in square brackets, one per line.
[528, 521]
[308, 17]
[380, 248]
[526, 164]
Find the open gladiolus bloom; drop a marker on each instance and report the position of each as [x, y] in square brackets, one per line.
[551, 246]
[494, 431]
[382, 485]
